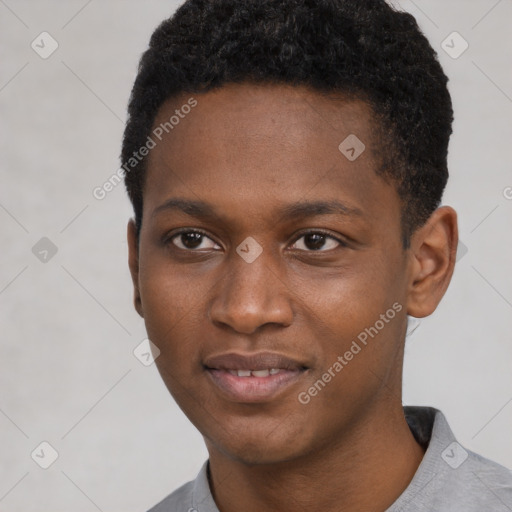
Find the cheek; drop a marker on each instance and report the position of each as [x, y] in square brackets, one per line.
[172, 303]
[172, 315]
[353, 295]
[358, 312]
[358, 328]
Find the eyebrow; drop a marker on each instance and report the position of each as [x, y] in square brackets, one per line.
[302, 209]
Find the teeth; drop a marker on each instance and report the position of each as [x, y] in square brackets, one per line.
[260, 373]
[254, 373]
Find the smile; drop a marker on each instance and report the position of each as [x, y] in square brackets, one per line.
[254, 377]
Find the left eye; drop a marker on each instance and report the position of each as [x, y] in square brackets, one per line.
[315, 240]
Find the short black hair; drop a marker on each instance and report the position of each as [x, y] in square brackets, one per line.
[361, 48]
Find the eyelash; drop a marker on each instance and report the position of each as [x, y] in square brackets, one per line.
[168, 239]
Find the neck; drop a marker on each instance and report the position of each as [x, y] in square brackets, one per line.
[366, 470]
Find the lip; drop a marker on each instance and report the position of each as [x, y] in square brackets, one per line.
[256, 361]
[253, 389]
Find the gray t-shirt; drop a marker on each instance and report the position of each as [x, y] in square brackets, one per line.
[449, 478]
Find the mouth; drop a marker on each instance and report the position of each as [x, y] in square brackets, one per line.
[253, 378]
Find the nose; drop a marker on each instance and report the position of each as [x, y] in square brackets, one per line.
[250, 295]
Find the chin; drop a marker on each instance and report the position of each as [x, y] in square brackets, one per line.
[268, 444]
[258, 454]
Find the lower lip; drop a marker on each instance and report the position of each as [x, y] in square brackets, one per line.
[253, 389]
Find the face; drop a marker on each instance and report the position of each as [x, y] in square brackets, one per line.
[270, 272]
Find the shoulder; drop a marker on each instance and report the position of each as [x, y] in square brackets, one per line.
[451, 477]
[180, 499]
[481, 483]
[477, 485]
[190, 497]
[467, 479]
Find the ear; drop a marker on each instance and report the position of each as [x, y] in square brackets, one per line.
[433, 252]
[133, 263]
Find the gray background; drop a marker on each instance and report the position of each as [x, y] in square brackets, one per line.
[68, 328]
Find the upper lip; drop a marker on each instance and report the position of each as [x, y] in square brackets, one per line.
[256, 361]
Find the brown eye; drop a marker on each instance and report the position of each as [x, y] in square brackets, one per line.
[191, 240]
[317, 240]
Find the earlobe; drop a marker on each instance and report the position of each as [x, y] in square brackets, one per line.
[133, 263]
[433, 253]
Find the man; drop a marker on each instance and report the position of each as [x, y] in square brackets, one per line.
[286, 162]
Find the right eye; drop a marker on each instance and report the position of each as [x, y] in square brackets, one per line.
[190, 240]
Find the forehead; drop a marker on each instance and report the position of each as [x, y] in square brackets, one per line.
[248, 146]
[248, 116]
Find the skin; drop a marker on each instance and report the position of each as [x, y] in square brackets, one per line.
[248, 150]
